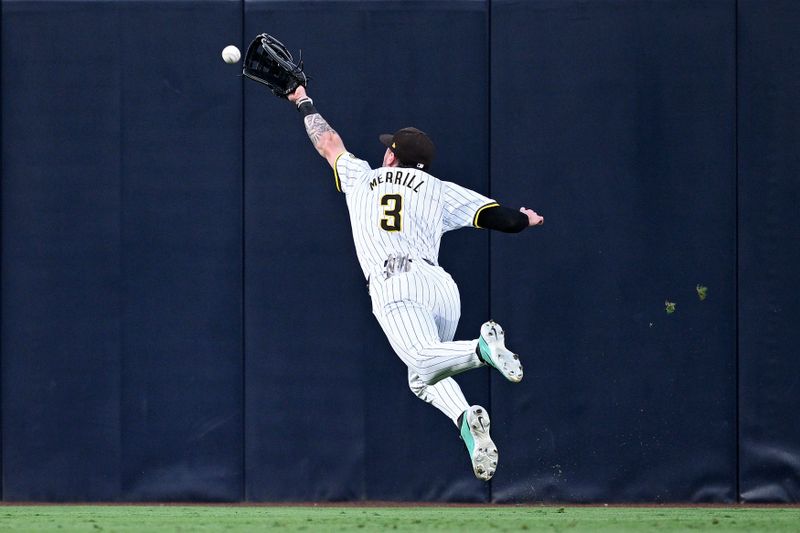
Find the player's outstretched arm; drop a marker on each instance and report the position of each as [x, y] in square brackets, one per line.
[323, 137]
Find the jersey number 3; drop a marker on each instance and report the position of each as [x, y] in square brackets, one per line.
[392, 212]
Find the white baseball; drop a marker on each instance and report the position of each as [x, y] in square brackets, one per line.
[231, 54]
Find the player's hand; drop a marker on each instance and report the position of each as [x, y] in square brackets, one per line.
[533, 217]
[298, 93]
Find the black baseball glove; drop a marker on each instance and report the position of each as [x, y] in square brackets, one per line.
[269, 62]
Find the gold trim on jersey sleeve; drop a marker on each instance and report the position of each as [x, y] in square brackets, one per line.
[336, 172]
[478, 212]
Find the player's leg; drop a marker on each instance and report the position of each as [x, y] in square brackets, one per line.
[399, 320]
[419, 314]
[408, 307]
[412, 332]
[473, 422]
[491, 344]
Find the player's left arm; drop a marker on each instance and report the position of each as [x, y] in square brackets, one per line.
[507, 220]
[324, 138]
[464, 208]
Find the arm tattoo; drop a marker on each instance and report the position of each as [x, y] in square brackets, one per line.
[316, 126]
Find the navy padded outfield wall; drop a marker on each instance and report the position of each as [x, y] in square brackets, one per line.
[769, 255]
[61, 252]
[184, 318]
[182, 367]
[616, 120]
[329, 411]
[122, 286]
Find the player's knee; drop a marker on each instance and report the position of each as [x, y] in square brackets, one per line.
[423, 378]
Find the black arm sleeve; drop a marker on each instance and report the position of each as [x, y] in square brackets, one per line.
[502, 219]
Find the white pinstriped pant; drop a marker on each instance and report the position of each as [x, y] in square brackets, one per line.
[419, 311]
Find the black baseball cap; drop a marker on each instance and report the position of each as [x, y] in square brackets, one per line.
[412, 147]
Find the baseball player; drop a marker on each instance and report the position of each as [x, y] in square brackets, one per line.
[398, 213]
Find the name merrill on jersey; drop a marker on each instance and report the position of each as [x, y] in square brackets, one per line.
[397, 177]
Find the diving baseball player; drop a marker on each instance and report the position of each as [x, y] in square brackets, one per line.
[398, 213]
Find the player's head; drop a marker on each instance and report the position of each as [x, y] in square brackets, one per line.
[408, 147]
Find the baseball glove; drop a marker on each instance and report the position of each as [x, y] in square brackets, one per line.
[269, 62]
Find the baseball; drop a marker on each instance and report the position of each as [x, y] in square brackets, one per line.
[231, 54]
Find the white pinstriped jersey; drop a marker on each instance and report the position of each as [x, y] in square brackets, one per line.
[402, 211]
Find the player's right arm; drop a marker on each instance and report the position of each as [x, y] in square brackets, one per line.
[322, 136]
[348, 170]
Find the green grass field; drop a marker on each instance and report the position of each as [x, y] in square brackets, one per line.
[46, 518]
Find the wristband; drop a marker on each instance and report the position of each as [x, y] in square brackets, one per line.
[306, 106]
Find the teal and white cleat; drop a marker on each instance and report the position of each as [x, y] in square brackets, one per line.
[475, 434]
[492, 350]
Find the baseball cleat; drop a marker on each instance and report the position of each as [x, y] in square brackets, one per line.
[492, 350]
[475, 434]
